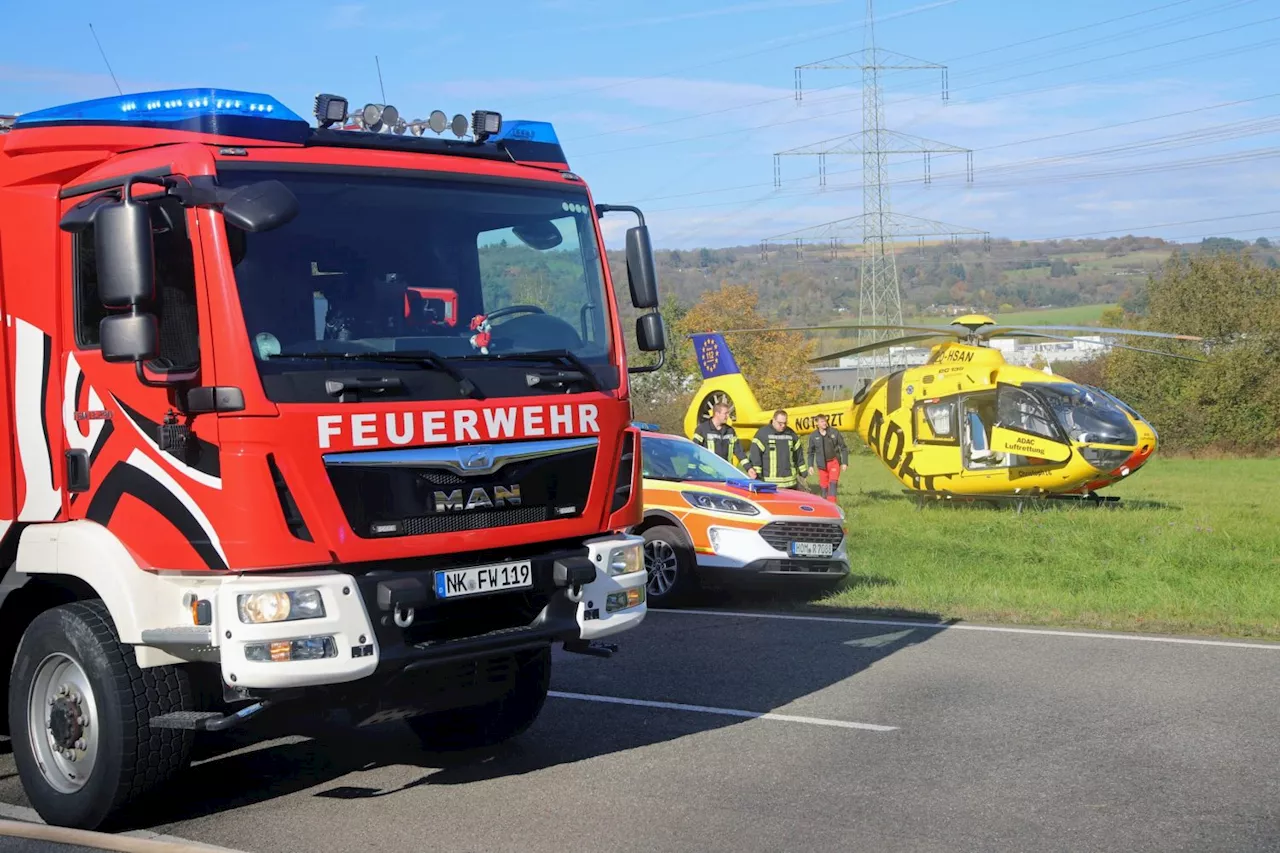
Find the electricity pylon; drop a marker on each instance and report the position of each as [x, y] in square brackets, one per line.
[880, 295]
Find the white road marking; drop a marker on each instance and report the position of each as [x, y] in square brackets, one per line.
[892, 623]
[8, 811]
[724, 712]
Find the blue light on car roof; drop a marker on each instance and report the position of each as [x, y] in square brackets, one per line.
[527, 131]
[219, 111]
[641, 425]
[752, 485]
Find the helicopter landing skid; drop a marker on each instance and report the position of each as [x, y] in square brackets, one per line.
[1018, 501]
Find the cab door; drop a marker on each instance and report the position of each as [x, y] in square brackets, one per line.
[1026, 430]
[137, 462]
[935, 436]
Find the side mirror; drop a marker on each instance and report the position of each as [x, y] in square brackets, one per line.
[260, 206]
[129, 337]
[651, 333]
[642, 270]
[125, 253]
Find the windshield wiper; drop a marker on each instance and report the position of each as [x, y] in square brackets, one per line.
[423, 358]
[582, 372]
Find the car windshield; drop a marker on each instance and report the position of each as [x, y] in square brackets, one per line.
[402, 263]
[1086, 415]
[683, 461]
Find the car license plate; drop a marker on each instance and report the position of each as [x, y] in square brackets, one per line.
[812, 549]
[456, 583]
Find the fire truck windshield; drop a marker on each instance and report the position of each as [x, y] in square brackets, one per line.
[399, 263]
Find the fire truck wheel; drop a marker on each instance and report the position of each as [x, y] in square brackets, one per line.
[494, 722]
[80, 708]
[670, 564]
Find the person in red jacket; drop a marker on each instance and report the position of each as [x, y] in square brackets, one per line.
[829, 456]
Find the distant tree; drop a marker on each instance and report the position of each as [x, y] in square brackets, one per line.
[1262, 243]
[1233, 401]
[1112, 317]
[1060, 269]
[774, 363]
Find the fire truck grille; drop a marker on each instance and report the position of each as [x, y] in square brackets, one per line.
[780, 534]
[422, 524]
[422, 491]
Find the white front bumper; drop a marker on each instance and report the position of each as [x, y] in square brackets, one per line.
[737, 547]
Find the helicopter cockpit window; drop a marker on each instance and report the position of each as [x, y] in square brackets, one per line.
[1018, 410]
[1088, 416]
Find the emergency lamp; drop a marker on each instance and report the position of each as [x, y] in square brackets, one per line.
[485, 123]
[330, 109]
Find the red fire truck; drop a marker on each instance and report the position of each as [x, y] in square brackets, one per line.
[242, 478]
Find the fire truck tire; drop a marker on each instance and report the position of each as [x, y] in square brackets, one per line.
[77, 691]
[494, 722]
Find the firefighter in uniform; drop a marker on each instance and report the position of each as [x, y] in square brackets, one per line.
[829, 456]
[716, 435]
[777, 453]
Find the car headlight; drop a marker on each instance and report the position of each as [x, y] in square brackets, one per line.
[626, 559]
[260, 608]
[720, 503]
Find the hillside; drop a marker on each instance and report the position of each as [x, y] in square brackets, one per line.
[1077, 278]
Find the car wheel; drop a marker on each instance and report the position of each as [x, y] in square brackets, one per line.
[670, 566]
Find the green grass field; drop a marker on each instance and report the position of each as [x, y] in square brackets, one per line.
[1192, 548]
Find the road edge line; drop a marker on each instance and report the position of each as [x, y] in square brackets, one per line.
[103, 841]
[961, 626]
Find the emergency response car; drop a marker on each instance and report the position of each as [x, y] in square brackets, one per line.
[707, 526]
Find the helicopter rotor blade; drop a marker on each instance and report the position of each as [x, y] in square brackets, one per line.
[949, 331]
[885, 344]
[1118, 346]
[1001, 331]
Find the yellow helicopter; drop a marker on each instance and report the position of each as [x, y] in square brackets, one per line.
[965, 424]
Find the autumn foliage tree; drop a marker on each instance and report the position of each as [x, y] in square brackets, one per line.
[774, 363]
[1232, 402]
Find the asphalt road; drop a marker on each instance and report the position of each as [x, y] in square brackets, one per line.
[891, 738]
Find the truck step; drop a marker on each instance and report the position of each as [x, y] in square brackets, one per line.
[206, 721]
[595, 650]
[189, 720]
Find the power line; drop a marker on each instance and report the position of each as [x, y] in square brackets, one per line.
[890, 73]
[1013, 143]
[768, 125]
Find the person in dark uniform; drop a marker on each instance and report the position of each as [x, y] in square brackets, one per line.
[716, 435]
[829, 456]
[777, 453]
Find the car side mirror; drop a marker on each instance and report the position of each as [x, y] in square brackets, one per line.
[260, 206]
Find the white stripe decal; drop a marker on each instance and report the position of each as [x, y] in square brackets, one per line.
[186, 470]
[76, 439]
[42, 501]
[146, 464]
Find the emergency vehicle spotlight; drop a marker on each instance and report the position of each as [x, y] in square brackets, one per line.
[438, 121]
[330, 109]
[459, 126]
[485, 123]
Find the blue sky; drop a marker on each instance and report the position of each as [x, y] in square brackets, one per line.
[1169, 115]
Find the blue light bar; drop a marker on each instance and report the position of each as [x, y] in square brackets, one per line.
[224, 112]
[641, 425]
[752, 485]
[527, 131]
[530, 142]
